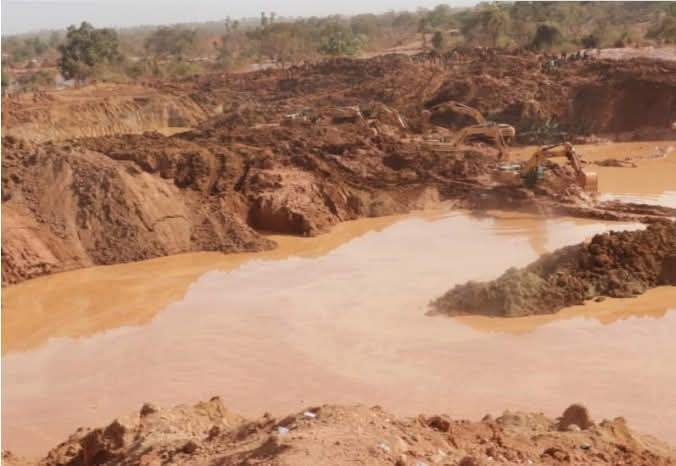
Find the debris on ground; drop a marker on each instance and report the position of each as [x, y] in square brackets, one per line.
[79, 189]
[208, 433]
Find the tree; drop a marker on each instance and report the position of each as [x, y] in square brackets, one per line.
[591, 41]
[423, 26]
[487, 25]
[546, 36]
[664, 28]
[170, 41]
[496, 22]
[86, 48]
[338, 40]
[438, 40]
[5, 81]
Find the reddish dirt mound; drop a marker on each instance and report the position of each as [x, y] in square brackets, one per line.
[118, 198]
[207, 433]
[66, 207]
[616, 264]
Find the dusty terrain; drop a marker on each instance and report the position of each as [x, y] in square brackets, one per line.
[244, 169]
[208, 433]
[615, 264]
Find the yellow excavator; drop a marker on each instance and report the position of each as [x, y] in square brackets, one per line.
[532, 171]
[500, 133]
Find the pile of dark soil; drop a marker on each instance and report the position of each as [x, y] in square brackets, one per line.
[615, 264]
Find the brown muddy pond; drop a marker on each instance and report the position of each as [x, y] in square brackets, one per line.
[335, 319]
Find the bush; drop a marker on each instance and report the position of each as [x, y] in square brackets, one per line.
[86, 48]
[438, 40]
[546, 36]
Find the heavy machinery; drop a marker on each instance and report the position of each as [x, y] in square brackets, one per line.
[532, 171]
[500, 133]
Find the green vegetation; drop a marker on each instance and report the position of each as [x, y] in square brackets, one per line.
[85, 49]
[339, 40]
[86, 52]
[4, 80]
[170, 42]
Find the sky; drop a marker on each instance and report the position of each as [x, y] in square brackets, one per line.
[19, 16]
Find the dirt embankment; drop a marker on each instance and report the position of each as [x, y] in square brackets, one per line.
[65, 207]
[245, 168]
[208, 433]
[99, 110]
[616, 264]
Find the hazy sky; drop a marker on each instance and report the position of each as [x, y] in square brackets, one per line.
[33, 15]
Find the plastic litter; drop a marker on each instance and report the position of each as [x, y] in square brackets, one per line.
[384, 447]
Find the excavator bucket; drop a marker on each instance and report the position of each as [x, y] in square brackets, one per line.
[589, 182]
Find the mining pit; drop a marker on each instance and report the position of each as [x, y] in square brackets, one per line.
[254, 236]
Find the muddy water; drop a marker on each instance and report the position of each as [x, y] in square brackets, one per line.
[331, 319]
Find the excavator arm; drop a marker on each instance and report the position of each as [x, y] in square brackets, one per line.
[529, 172]
[462, 109]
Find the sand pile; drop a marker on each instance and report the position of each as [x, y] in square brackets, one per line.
[207, 433]
[615, 264]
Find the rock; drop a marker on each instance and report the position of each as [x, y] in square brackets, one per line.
[402, 460]
[190, 447]
[439, 423]
[469, 461]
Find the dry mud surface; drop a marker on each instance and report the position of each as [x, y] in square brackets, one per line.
[208, 433]
[72, 180]
[615, 264]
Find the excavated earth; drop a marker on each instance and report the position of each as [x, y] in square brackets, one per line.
[208, 433]
[78, 189]
[615, 264]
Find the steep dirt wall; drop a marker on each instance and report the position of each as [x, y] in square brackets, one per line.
[65, 208]
[630, 105]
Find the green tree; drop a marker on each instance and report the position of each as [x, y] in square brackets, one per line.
[547, 35]
[438, 40]
[172, 41]
[496, 23]
[86, 48]
[487, 25]
[338, 40]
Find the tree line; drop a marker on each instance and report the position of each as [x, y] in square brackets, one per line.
[84, 52]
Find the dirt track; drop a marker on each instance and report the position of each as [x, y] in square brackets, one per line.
[117, 198]
[208, 433]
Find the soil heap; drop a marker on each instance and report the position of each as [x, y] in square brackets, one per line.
[280, 151]
[207, 433]
[615, 264]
